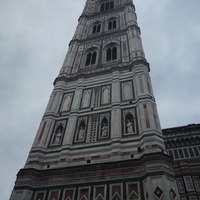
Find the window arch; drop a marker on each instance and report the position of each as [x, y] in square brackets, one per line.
[111, 53]
[112, 24]
[96, 28]
[107, 6]
[173, 143]
[91, 58]
[168, 143]
[193, 140]
[178, 142]
[188, 141]
[183, 141]
[197, 139]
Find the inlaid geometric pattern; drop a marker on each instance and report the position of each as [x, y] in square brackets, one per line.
[116, 189]
[116, 197]
[158, 192]
[40, 196]
[69, 194]
[133, 191]
[99, 198]
[133, 196]
[83, 198]
[54, 195]
[172, 194]
[100, 192]
[180, 185]
[84, 193]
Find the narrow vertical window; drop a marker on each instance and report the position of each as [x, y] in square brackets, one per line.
[111, 4]
[88, 59]
[114, 53]
[107, 6]
[98, 28]
[108, 56]
[176, 154]
[110, 25]
[114, 24]
[94, 29]
[91, 58]
[111, 54]
[181, 153]
[102, 7]
[196, 151]
[186, 153]
[191, 152]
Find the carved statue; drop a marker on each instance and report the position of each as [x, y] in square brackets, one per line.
[81, 133]
[129, 127]
[104, 130]
[58, 136]
[172, 194]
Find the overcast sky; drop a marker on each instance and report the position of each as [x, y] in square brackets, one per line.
[34, 38]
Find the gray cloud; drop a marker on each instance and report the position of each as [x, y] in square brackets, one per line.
[34, 39]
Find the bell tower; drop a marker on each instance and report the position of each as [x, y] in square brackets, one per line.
[100, 136]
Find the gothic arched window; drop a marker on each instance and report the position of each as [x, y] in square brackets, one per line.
[112, 24]
[91, 58]
[107, 6]
[111, 53]
[168, 144]
[96, 28]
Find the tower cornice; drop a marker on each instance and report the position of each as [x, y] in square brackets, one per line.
[101, 36]
[118, 9]
[100, 71]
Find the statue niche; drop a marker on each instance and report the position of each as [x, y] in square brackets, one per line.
[104, 128]
[67, 102]
[129, 121]
[81, 131]
[58, 135]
